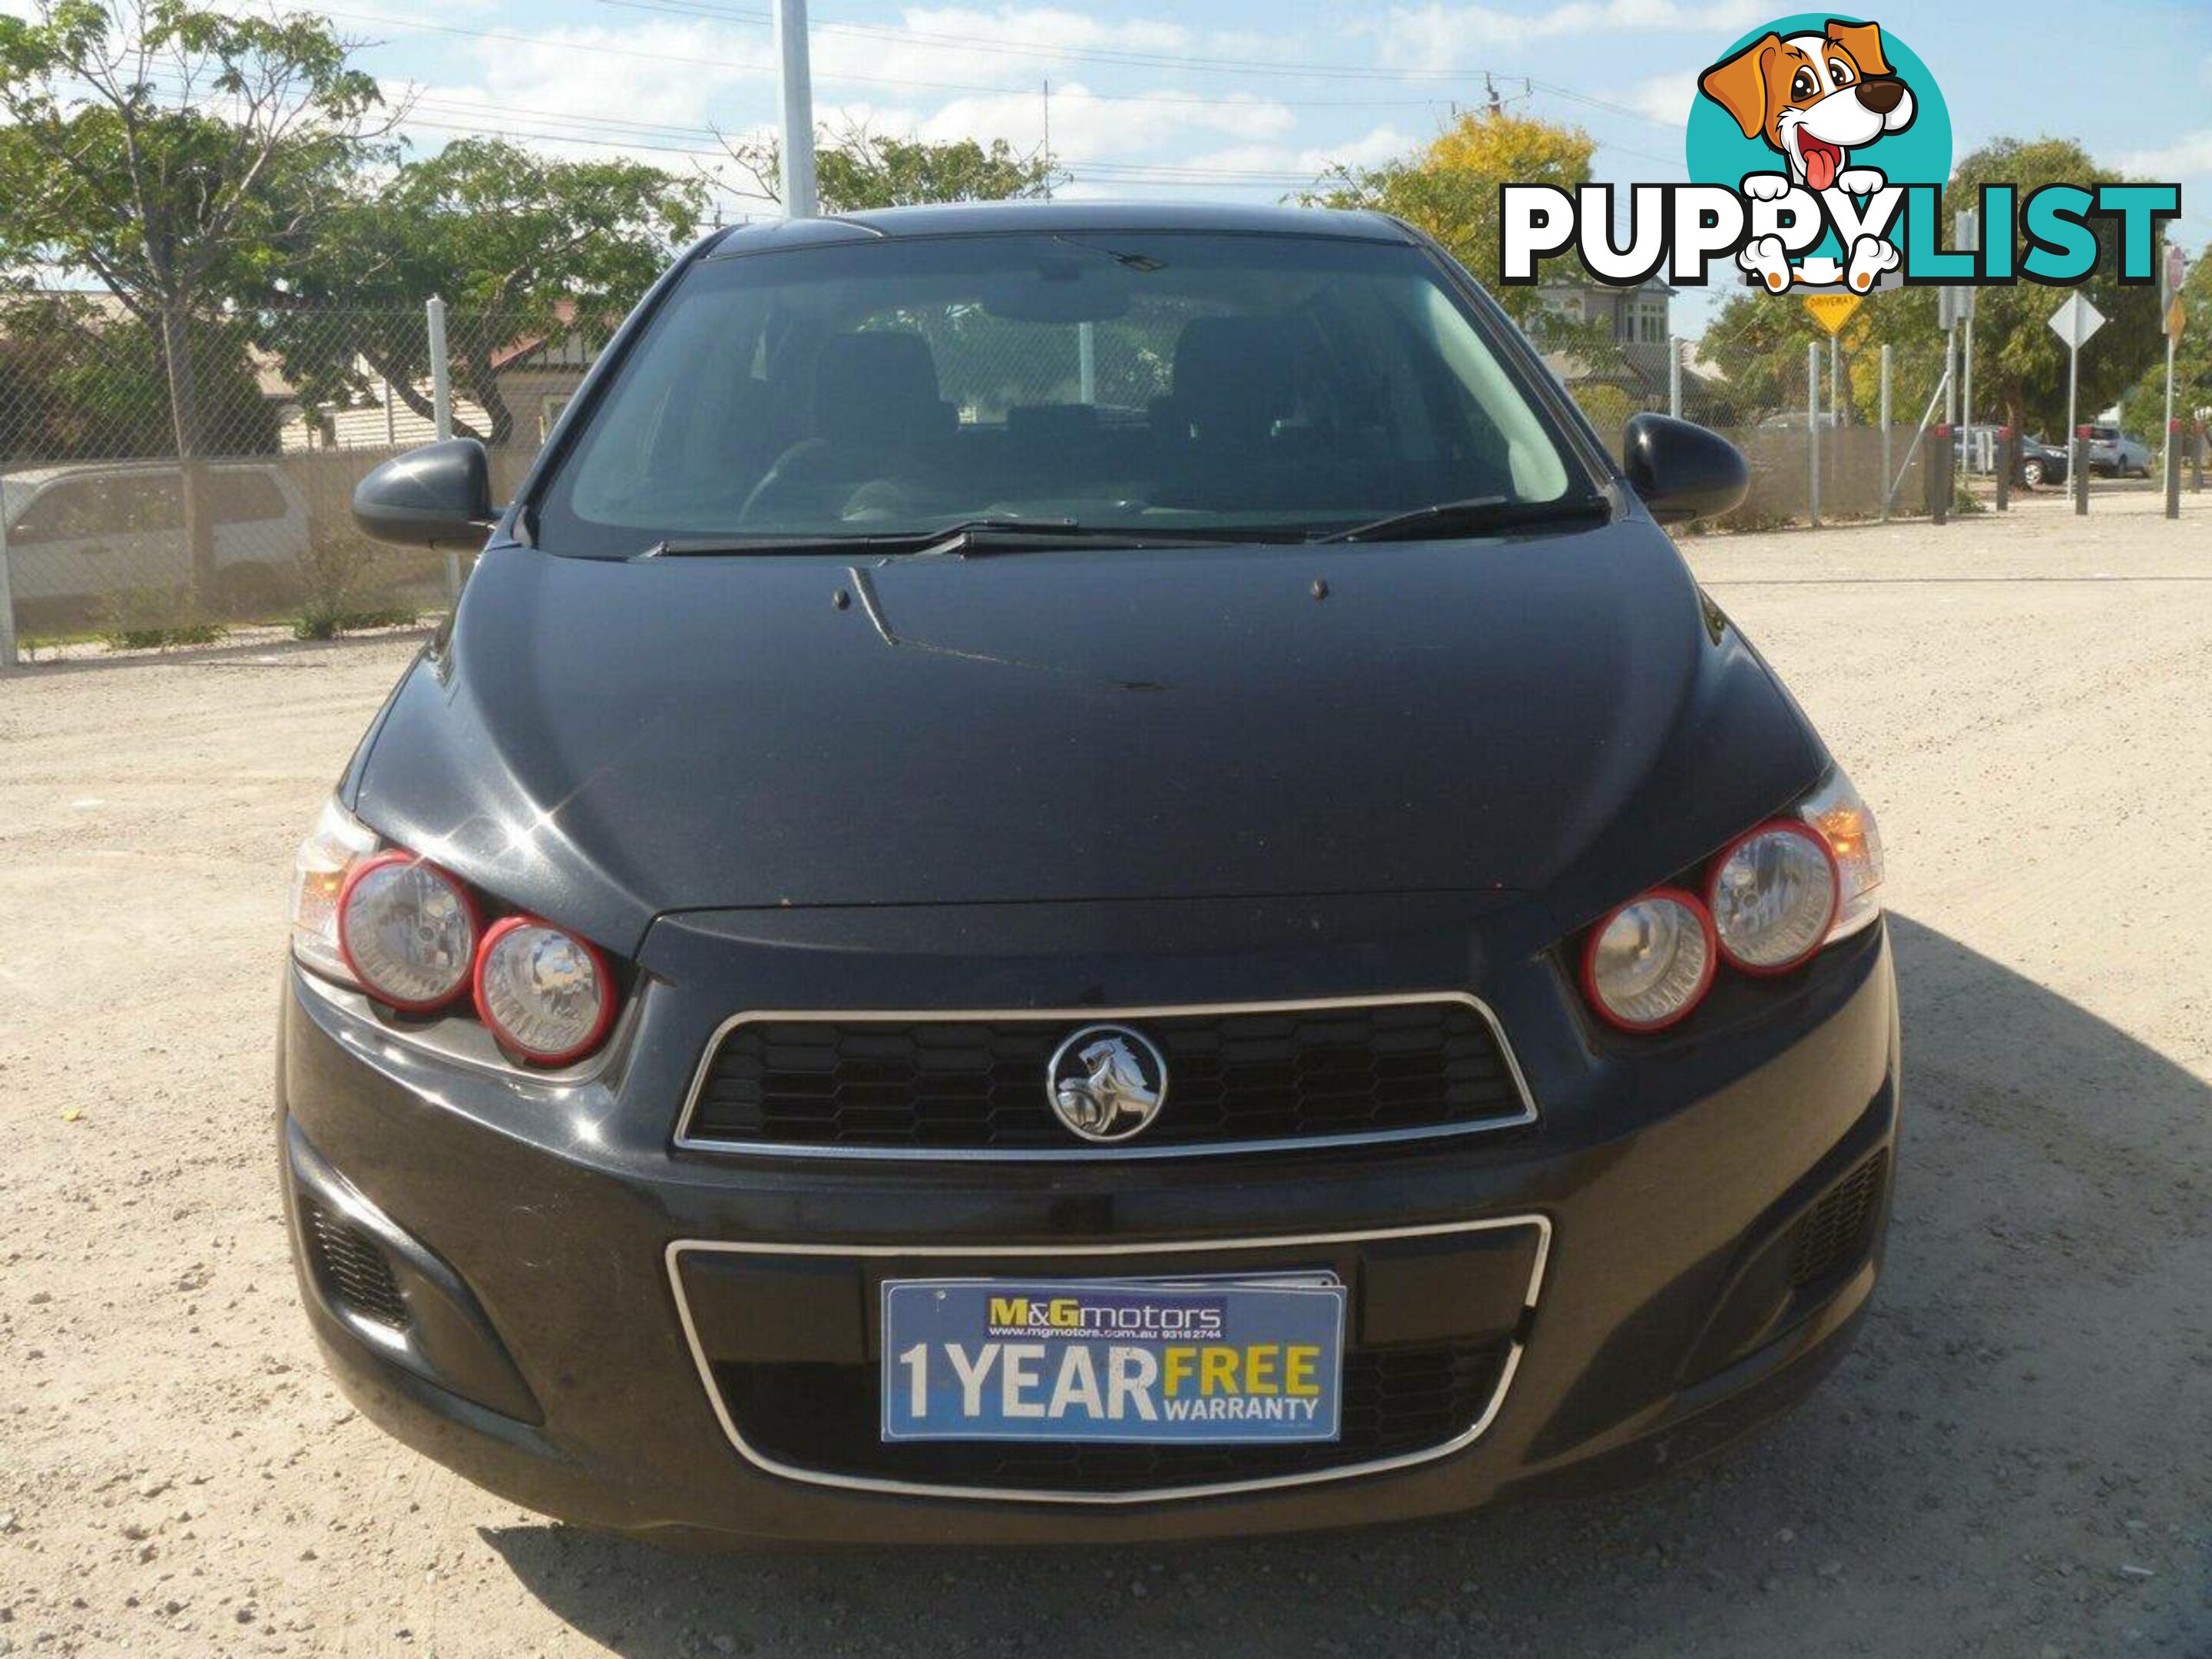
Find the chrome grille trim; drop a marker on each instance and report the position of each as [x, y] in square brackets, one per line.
[673, 1256]
[685, 1141]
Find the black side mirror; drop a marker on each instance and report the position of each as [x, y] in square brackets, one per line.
[438, 495]
[1683, 472]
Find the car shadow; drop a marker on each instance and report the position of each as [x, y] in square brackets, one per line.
[2010, 1462]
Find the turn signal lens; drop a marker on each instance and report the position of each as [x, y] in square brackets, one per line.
[1772, 896]
[1650, 962]
[337, 842]
[1847, 824]
[545, 993]
[408, 931]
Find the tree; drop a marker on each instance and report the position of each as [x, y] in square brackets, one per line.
[530, 245]
[77, 383]
[2019, 364]
[859, 169]
[1450, 189]
[2144, 412]
[177, 155]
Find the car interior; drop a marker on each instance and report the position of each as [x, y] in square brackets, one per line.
[849, 408]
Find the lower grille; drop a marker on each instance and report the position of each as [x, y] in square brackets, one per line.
[931, 1085]
[354, 1270]
[1832, 1236]
[824, 1418]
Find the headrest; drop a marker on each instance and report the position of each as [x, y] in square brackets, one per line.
[879, 385]
[1232, 377]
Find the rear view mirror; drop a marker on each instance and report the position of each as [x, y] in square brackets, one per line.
[1681, 471]
[439, 495]
[1060, 293]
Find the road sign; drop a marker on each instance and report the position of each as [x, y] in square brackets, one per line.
[1833, 311]
[2075, 321]
[2176, 318]
[2177, 268]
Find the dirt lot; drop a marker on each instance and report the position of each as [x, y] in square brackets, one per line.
[2015, 1461]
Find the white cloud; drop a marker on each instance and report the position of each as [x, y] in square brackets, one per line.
[1433, 36]
[2190, 153]
[1088, 128]
[1665, 98]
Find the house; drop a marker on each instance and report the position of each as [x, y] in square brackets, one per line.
[536, 377]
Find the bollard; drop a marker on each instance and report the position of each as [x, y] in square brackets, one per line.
[2007, 441]
[1939, 476]
[2197, 461]
[2173, 469]
[2077, 468]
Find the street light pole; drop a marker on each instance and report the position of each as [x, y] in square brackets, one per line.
[800, 200]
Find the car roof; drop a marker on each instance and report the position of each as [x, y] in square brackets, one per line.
[30, 476]
[989, 218]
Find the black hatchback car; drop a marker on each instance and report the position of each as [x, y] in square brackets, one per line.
[1080, 872]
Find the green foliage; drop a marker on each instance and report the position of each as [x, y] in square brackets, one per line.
[79, 383]
[1449, 188]
[2143, 413]
[858, 169]
[323, 621]
[2019, 364]
[148, 619]
[533, 246]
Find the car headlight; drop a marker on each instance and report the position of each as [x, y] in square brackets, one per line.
[337, 842]
[408, 931]
[1772, 894]
[1771, 898]
[1650, 962]
[545, 993]
[1847, 824]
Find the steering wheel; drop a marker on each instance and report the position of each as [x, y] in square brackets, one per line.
[777, 476]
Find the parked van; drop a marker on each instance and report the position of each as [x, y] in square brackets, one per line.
[80, 532]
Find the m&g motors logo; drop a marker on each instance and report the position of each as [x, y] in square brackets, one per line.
[1818, 148]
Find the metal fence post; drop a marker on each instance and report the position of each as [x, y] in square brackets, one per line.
[1674, 375]
[442, 369]
[7, 597]
[441, 404]
[2007, 439]
[1886, 360]
[1813, 433]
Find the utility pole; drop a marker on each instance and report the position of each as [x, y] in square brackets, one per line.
[1048, 141]
[800, 200]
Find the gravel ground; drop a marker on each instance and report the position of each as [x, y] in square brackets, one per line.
[2014, 1462]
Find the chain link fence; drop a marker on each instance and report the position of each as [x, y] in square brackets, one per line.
[165, 481]
[1818, 447]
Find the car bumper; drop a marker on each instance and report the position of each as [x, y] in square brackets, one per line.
[551, 1325]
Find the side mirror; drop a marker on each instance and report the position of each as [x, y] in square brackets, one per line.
[1683, 472]
[438, 495]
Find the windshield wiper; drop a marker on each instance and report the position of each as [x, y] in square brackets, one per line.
[969, 535]
[1472, 517]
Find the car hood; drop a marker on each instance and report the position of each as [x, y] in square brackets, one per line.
[606, 742]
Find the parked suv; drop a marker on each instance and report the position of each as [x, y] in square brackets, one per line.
[74, 533]
[2113, 454]
[1081, 872]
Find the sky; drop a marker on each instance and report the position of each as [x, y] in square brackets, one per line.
[1248, 99]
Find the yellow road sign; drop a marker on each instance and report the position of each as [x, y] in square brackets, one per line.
[1831, 310]
[2176, 318]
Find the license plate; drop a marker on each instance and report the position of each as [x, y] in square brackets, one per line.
[1196, 1360]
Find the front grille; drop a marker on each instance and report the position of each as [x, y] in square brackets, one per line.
[1281, 1073]
[353, 1269]
[1832, 1237]
[825, 1420]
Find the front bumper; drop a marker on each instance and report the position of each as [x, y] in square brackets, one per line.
[539, 1233]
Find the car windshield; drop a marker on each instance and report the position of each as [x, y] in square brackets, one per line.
[1157, 383]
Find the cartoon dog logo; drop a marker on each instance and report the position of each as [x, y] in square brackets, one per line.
[1814, 99]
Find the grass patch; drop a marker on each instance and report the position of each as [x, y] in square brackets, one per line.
[327, 622]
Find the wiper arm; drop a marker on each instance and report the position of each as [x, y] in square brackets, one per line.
[1471, 517]
[969, 535]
